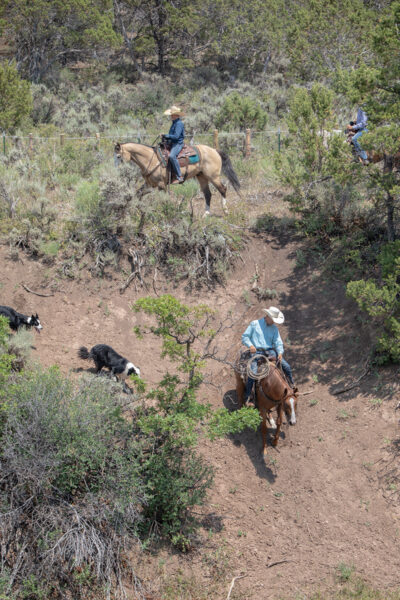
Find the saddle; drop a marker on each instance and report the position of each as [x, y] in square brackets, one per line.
[189, 155]
[243, 359]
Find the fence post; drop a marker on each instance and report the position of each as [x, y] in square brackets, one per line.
[4, 143]
[98, 140]
[279, 139]
[216, 144]
[62, 139]
[247, 143]
[30, 143]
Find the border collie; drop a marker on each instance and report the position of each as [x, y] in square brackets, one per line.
[18, 320]
[105, 356]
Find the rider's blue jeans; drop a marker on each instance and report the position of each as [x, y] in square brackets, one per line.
[254, 367]
[176, 148]
[357, 146]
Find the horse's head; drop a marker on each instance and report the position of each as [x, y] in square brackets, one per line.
[120, 154]
[117, 154]
[290, 405]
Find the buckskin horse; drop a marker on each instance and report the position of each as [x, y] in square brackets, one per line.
[207, 169]
[272, 391]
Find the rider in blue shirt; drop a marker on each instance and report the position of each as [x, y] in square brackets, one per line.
[359, 127]
[262, 338]
[175, 138]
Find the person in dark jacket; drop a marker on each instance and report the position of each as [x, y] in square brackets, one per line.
[175, 138]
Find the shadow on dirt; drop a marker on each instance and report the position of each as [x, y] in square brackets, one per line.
[326, 341]
[251, 440]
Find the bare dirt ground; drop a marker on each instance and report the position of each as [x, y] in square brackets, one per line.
[328, 495]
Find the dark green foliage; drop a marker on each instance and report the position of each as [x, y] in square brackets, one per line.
[241, 112]
[381, 300]
[15, 98]
[44, 35]
[187, 335]
[178, 480]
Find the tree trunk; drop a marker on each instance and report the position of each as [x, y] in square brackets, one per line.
[391, 231]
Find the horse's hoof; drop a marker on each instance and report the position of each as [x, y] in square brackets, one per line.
[275, 443]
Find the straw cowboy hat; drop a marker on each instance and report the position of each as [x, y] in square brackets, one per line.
[174, 110]
[275, 314]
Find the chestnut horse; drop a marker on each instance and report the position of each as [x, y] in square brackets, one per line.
[272, 391]
[208, 169]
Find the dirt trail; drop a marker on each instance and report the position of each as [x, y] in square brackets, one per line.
[320, 498]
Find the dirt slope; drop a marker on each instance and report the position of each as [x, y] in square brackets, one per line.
[322, 497]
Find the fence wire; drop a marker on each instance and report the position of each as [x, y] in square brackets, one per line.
[252, 142]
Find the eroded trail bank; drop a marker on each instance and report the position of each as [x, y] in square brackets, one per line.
[324, 498]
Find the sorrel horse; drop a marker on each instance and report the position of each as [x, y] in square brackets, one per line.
[272, 391]
[208, 169]
[390, 161]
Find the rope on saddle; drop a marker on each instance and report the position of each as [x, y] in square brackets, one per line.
[242, 366]
[262, 371]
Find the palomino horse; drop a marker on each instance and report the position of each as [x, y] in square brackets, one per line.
[208, 169]
[272, 391]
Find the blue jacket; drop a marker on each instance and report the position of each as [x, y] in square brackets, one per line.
[176, 133]
[361, 122]
[261, 335]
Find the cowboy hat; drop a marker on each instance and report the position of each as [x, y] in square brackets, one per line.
[275, 314]
[174, 110]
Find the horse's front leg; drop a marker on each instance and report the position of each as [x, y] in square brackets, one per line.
[263, 413]
[278, 425]
[239, 389]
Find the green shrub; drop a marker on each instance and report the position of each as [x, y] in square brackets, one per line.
[239, 111]
[15, 97]
[382, 302]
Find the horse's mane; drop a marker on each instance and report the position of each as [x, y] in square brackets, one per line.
[280, 375]
[139, 144]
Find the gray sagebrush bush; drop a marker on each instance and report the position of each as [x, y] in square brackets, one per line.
[71, 492]
[45, 104]
[19, 345]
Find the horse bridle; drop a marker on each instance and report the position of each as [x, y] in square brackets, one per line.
[145, 174]
[276, 402]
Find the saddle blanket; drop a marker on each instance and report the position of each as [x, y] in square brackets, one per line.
[189, 155]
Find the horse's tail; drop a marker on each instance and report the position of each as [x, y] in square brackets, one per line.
[227, 169]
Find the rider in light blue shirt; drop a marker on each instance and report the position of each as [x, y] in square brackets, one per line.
[175, 137]
[263, 339]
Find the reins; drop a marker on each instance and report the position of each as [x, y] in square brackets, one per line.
[146, 174]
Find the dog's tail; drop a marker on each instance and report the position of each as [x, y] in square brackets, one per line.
[84, 353]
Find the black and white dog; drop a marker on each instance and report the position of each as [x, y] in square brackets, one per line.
[105, 356]
[18, 320]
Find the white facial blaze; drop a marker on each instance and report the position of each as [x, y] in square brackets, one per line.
[293, 414]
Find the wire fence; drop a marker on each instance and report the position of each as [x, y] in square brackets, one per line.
[247, 142]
